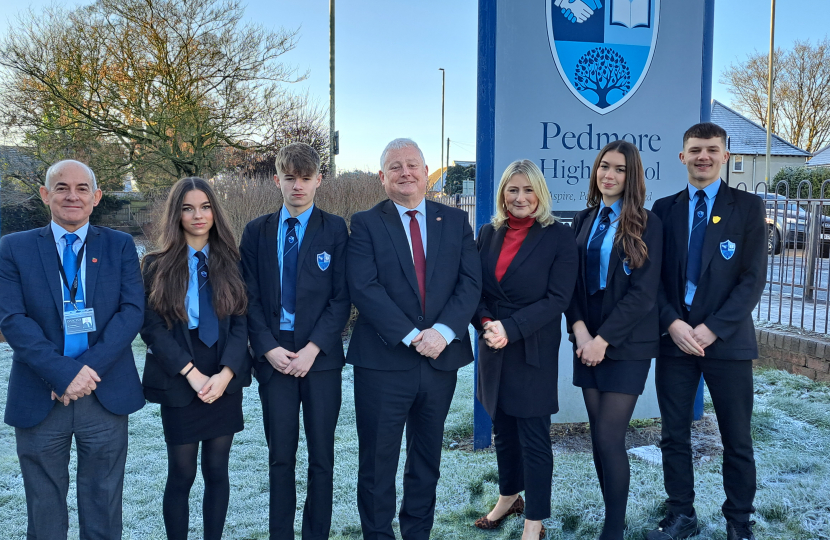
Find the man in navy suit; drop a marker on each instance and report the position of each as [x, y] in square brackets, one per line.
[294, 264]
[415, 277]
[714, 271]
[68, 379]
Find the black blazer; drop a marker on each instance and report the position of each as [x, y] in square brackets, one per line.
[629, 307]
[168, 351]
[384, 288]
[729, 289]
[322, 295]
[521, 378]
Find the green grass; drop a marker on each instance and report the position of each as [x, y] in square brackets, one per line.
[791, 427]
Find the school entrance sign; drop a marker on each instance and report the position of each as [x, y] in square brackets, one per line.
[559, 79]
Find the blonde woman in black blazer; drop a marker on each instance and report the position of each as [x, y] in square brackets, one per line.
[197, 350]
[613, 317]
[529, 266]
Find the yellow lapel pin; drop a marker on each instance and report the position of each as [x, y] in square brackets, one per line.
[715, 219]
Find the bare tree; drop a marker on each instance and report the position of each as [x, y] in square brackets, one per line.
[150, 87]
[801, 94]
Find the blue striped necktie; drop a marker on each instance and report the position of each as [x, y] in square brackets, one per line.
[594, 247]
[73, 344]
[693, 262]
[208, 323]
[290, 251]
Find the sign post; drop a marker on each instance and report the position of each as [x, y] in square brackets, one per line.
[559, 79]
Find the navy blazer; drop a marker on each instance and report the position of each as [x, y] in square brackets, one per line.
[629, 307]
[729, 288]
[384, 287]
[170, 350]
[31, 318]
[323, 304]
[529, 301]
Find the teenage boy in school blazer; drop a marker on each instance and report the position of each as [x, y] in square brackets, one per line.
[714, 270]
[294, 326]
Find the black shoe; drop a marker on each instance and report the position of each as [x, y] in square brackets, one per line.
[676, 527]
[739, 530]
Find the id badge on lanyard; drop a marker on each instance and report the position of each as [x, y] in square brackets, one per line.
[76, 321]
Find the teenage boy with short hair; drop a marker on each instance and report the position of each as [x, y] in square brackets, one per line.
[714, 271]
[294, 264]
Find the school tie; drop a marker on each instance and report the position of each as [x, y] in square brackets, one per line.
[289, 266]
[208, 323]
[418, 255]
[73, 344]
[693, 262]
[594, 247]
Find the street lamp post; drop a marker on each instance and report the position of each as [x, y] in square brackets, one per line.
[332, 167]
[443, 174]
[770, 83]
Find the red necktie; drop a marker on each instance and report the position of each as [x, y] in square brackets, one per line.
[418, 256]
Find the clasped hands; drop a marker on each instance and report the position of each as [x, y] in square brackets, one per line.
[429, 343]
[82, 385]
[297, 363]
[691, 340]
[589, 349]
[208, 389]
[494, 335]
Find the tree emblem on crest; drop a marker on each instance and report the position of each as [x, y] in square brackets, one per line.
[602, 70]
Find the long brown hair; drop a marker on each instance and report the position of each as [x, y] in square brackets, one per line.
[633, 217]
[169, 286]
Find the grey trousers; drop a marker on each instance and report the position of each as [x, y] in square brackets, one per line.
[43, 451]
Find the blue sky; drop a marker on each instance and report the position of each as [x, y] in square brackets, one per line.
[389, 51]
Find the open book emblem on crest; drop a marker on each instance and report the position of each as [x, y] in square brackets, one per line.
[603, 48]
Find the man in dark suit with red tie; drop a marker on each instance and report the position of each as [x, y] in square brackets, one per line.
[714, 271]
[415, 277]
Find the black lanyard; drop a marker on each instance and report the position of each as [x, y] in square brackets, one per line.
[73, 290]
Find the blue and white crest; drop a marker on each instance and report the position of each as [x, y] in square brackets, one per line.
[323, 261]
[603, 48]
[727, 249]
[626, 268]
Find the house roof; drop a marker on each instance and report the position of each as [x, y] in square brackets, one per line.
[13, 160]
[820, 158]
[747, 137]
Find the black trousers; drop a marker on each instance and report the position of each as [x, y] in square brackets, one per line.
[730, 385]
[43, 451]
[385, 401]
[525, 460]
[319, 392]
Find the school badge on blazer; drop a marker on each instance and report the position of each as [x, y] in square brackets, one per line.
[727, 249]
[323, 261]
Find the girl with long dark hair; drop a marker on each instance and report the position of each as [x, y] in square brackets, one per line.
[197, 350]
[613, 317]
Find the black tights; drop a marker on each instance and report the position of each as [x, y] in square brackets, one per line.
[609, 414]
[181, 472]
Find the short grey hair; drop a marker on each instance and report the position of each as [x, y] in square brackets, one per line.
[399, 144]
[55, 170]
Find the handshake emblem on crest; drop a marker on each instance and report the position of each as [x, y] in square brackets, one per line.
[577, 11]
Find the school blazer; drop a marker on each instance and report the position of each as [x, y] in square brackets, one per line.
[31, 318]
[323, 304]
[169, 350]
[629, 307]
[384, 287]
[732, 276]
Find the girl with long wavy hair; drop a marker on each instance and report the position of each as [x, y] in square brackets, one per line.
[197, 350]
[613, 317]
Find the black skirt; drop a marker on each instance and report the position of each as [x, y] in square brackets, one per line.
[200, 421]
[621, 376]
